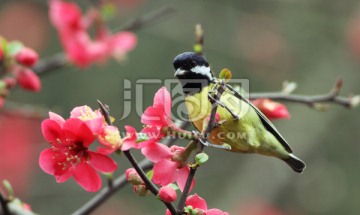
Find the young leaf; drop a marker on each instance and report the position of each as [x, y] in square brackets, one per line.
[225, 74]
[201, 158]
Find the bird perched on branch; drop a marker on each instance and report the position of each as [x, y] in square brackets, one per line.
[241, 125]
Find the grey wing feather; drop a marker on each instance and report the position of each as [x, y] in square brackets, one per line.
[266, 122]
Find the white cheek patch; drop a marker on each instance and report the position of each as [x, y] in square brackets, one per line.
[203, 70]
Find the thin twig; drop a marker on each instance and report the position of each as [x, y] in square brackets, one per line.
[204, 136]
[199, 40]
[51, 64]
[107, 192]
[331, 97]
[148, 20]
[4, 205]
[149, 185]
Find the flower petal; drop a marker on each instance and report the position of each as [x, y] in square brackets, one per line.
[52, 131]
[216, 211]
[164, 172]
[46, 161]
[123, 41]
[57, 118]
[62, 178]
[196, 202]
[162, 100]
[156, 152]
[130, 140]
[181, 177]
[77, 130]
[102, 162]
[87, 177]
[154, 116]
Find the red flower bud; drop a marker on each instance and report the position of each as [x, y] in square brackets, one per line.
[271, 109]
[28, 80]
[133, 177]
[167, 194]
[27, 57]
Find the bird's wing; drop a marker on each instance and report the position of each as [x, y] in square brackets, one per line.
[266, 122]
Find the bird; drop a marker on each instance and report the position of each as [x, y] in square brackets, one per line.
[249, 132]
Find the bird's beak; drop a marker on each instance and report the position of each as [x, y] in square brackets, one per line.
[180, 72]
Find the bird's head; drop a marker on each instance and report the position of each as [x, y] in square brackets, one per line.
[193, 71]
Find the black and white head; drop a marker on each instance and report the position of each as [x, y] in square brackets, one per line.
[193, 72]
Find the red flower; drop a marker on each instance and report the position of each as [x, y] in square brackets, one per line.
[70, 155]
[199, 206]
[169, 165]
[80, 48]
[271, 109]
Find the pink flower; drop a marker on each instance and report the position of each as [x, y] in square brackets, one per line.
[271, 109]
[28, 79]
[160, 113]
[110, 139]
[135, 140]
[80, 48]
[93, 119]
[70, 154]
[169, 165]
[27, 57]
[199, 206]
[167, 194]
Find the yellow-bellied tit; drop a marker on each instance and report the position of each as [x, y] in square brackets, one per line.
[249, 132]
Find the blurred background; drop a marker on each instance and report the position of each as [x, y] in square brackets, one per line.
[311, 42]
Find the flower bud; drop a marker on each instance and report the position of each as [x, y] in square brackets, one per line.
[167, 194]
[141, 190]
[28, 80]
[271, 109]
[27, 57]
[133, 177]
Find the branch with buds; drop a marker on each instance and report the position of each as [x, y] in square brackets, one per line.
[316, 101]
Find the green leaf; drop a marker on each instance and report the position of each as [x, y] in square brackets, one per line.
[201, 158]
[150, 174]
[14, 47]
[141, 137]
[225, 74]
[174, 186]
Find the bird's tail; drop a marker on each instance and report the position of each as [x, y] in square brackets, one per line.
[295, 163]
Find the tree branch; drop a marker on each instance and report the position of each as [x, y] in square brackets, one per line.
[107, 192]
[312, 101]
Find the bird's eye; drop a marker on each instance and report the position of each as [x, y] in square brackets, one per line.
[192, 63]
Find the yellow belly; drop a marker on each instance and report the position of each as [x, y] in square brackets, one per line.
[246, 134]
